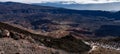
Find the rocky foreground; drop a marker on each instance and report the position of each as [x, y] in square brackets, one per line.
[10, 46]
[17, 41]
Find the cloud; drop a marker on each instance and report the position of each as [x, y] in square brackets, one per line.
[78, 1]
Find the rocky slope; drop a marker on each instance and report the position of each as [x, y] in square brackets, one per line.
[13, 38]
[18, 41]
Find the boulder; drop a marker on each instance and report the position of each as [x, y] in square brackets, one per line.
[4, 33]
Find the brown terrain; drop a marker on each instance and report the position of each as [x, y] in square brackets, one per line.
[14, 40]
[32, 29]
[17, 41]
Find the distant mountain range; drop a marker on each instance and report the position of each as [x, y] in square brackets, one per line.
[59, 22]
[115, 6]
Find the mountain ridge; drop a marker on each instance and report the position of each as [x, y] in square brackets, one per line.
[76, 6]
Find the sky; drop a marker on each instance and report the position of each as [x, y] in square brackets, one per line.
[78, 1]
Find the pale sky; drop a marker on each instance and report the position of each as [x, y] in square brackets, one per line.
[78, 1]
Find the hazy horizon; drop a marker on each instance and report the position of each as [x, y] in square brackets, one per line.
[77, 1]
